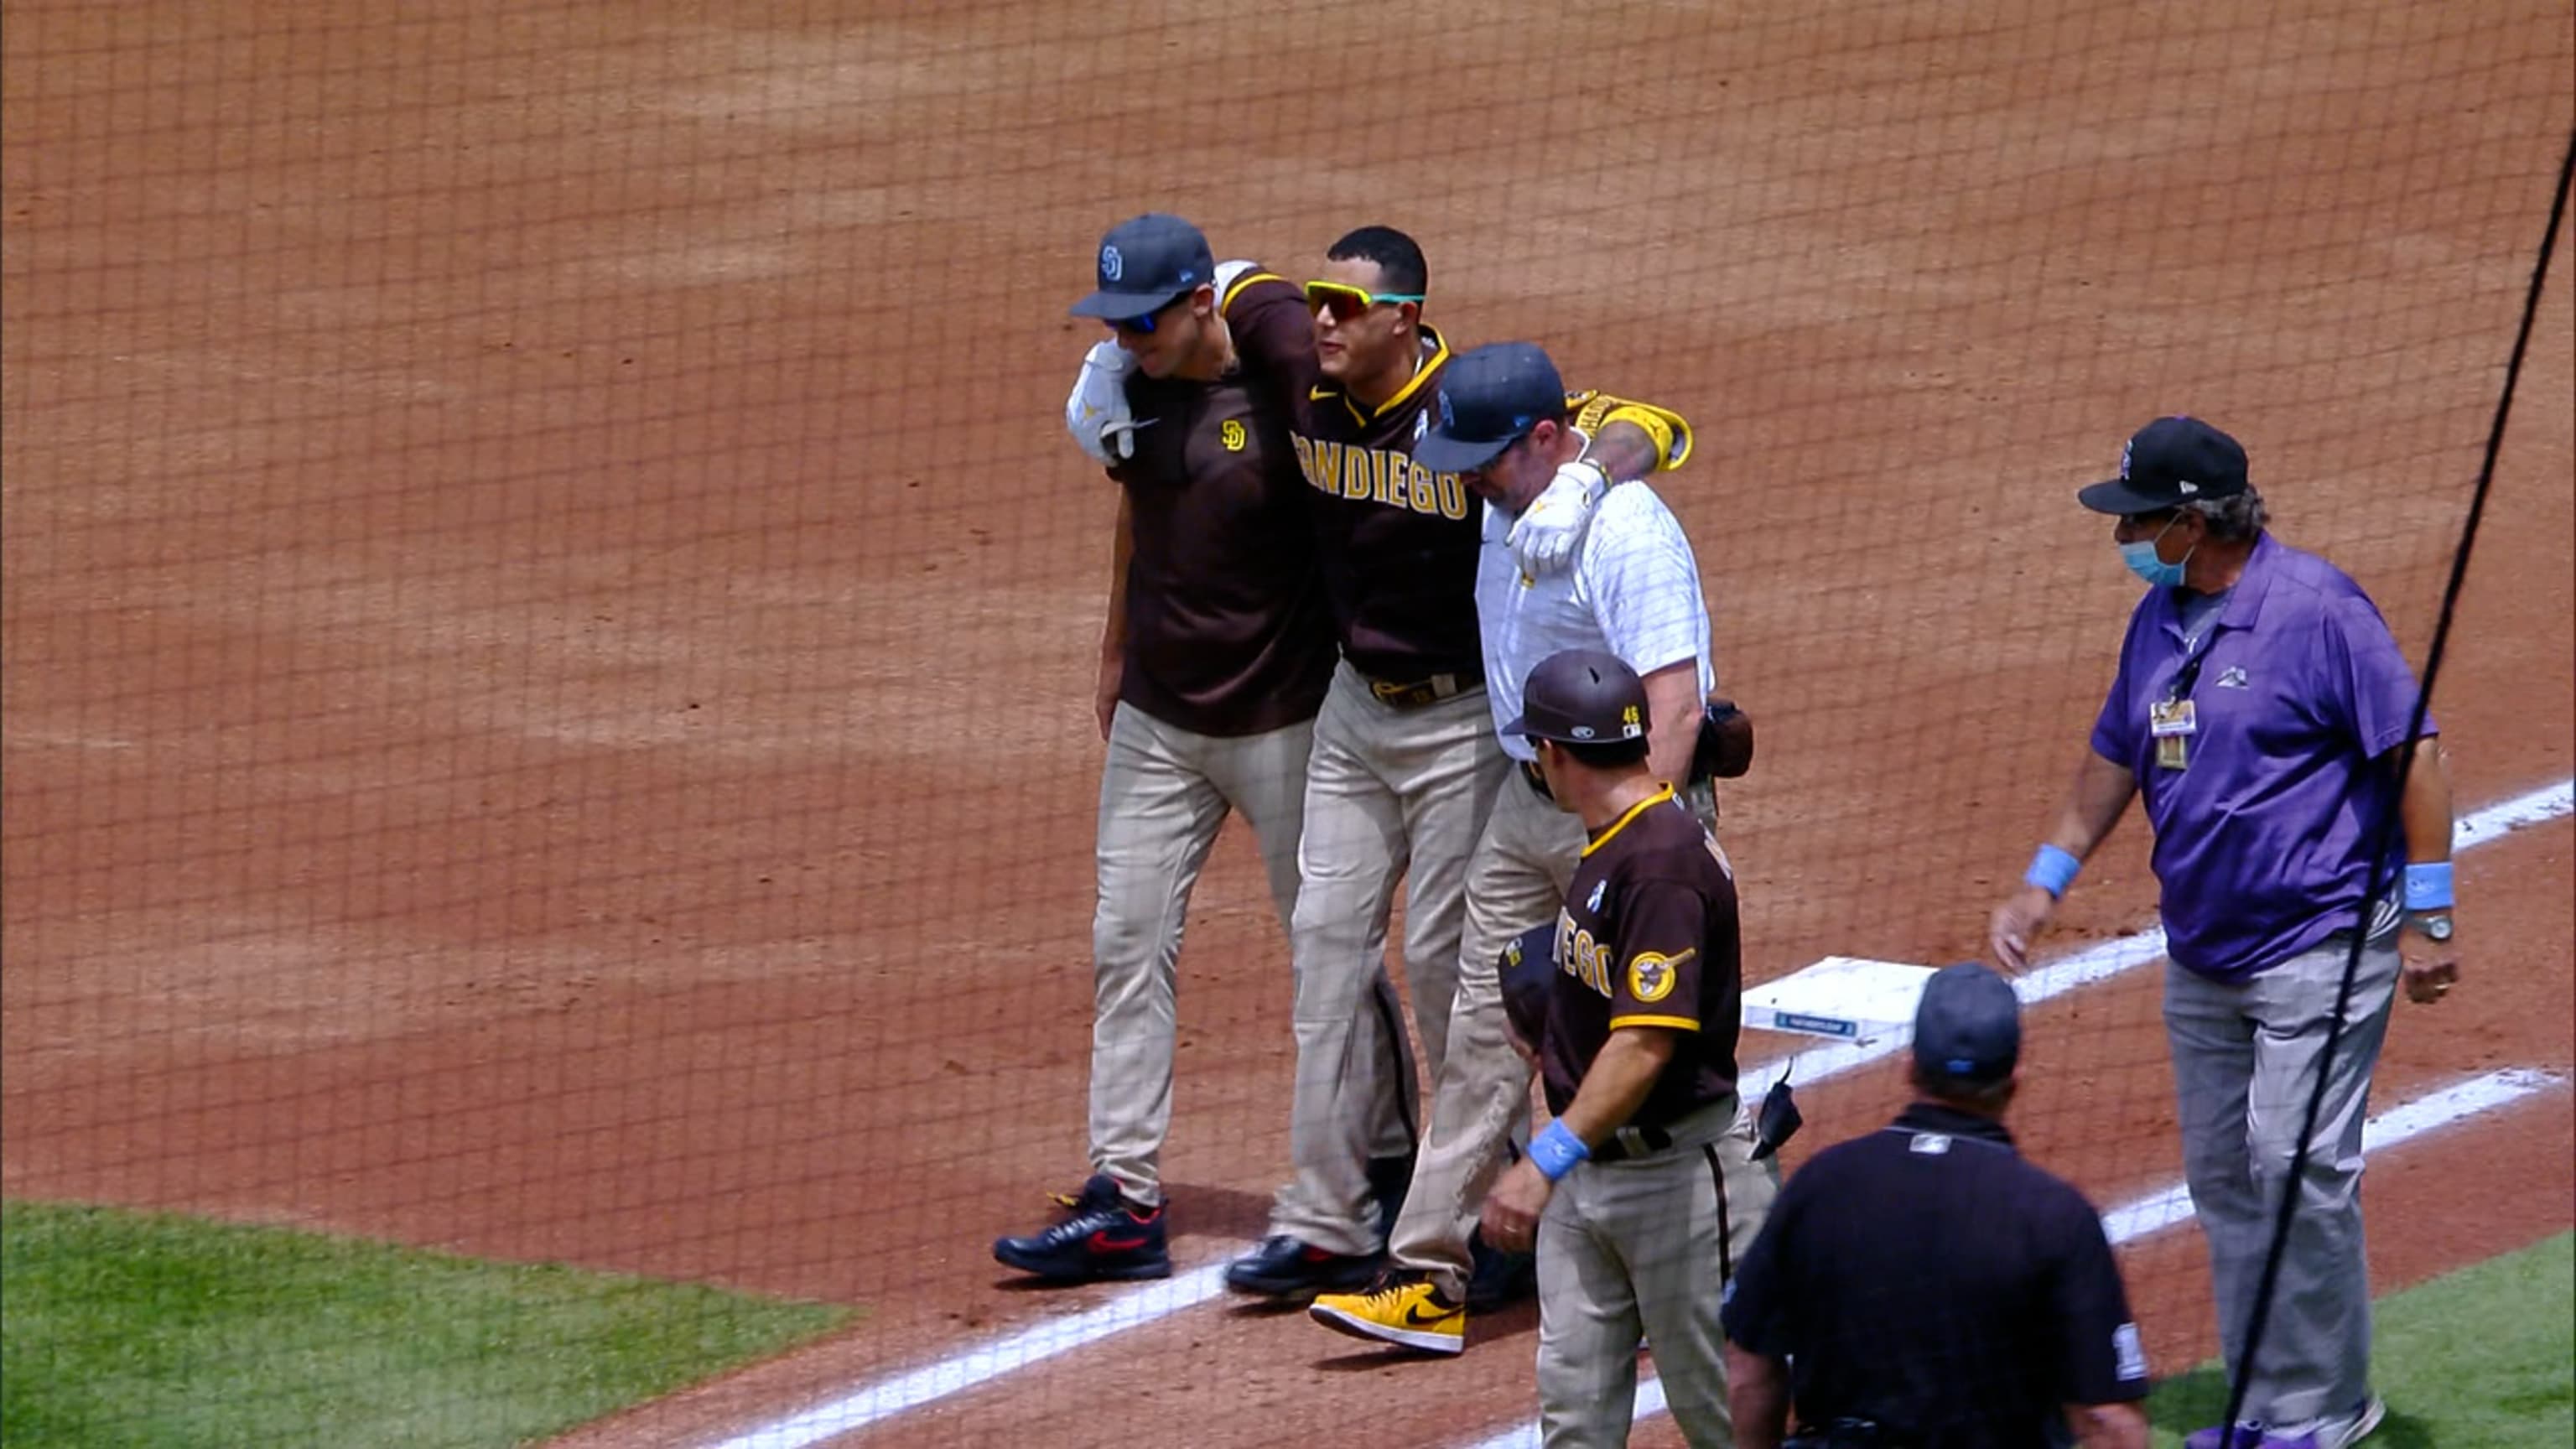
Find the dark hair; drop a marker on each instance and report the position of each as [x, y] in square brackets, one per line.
[1395, 254]
[1605, 754]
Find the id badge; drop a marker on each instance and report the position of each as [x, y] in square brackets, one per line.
[2171, 724]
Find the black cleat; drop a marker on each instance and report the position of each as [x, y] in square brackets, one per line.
[1102, 1239]
[1283, 1267]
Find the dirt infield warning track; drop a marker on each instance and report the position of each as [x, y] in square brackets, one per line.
[548, 616]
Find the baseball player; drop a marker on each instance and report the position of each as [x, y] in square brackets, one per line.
[1214, 660]
[1405, 768]
[1632, 591]
[1645, 1189]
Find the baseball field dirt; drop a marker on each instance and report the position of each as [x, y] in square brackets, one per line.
[549, 615]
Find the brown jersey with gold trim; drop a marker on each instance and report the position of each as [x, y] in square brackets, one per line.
[1399, 542]
[1648, 937]
[1228, 630]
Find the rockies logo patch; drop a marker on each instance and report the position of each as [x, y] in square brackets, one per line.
[1652, 974]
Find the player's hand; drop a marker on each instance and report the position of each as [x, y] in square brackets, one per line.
[2016, 923]
[1104, 700]
[1095, 412]
[2427, 982]
[1512, 1209]
[1545, 535]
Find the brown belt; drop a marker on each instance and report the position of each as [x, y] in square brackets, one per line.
[1422, 691]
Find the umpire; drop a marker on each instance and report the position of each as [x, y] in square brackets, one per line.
[1923, 1287]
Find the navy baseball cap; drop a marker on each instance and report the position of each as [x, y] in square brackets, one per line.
[1489, 398]
[1968, 1027]
[1581, 697]
[2170, 462]
[1145, 263]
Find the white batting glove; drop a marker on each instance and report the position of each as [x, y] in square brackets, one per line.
[1548, 530]
[1095, 412]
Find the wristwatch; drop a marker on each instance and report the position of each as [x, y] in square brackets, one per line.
[2436, 928]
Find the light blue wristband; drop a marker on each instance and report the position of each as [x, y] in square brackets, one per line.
[2428, 886]
[2052, 870]
[1556, 1150]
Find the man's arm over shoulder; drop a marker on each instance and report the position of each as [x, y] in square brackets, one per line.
[1630, 439]
[1274, 334]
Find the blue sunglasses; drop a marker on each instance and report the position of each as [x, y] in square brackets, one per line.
[1143, 326]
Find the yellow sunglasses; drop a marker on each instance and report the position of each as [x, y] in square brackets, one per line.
[1346, 302]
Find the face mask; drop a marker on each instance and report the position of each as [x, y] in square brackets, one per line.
[2142, 561]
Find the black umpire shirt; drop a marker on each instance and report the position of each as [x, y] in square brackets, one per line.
[1927, 1278]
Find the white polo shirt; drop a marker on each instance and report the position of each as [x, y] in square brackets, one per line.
[1631, 589]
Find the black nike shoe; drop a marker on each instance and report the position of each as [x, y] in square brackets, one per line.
[1101, 1239]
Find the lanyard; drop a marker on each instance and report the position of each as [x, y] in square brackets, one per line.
[2188, 677]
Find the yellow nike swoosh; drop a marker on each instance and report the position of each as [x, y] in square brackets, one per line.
[1318, 394]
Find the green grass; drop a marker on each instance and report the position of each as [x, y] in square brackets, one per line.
[123, 1328]
[2482, 1359]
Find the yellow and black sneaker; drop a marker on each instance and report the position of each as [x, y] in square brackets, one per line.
[1405, 1309]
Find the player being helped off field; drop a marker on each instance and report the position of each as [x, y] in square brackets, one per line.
[1632, 590]
[2261, 708]
[1213, 661]
[1405, 767]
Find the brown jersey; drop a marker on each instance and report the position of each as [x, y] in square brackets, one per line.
[1398, 542]
[1648, 937]
[1228, 627]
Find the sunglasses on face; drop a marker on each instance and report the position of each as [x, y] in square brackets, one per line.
[1144, 326]
[1345, 302]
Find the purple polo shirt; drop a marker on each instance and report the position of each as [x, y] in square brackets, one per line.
[2262, 842]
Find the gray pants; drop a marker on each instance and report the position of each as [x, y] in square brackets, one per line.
[2245, 1062]
[1392, 794]
[1164, 793]
[1480, 1099]
[1516, 880]
[1642, 1248]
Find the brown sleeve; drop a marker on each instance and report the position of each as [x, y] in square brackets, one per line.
[1662, 926]
[1274, 334]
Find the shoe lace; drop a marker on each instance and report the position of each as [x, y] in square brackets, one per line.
[1081, 1225]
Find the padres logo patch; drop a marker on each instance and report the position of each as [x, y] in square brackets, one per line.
[1231, 435]
[1652, 974]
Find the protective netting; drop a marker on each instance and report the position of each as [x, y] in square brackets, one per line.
[551, 622]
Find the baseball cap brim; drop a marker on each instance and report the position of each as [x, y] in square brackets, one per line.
[2119, 496]
[1111, 306]
[1444, 454]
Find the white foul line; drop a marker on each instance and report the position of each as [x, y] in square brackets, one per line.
[2171, 1207]
[974, 1366]
[888, 1397]
[2112, 958]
